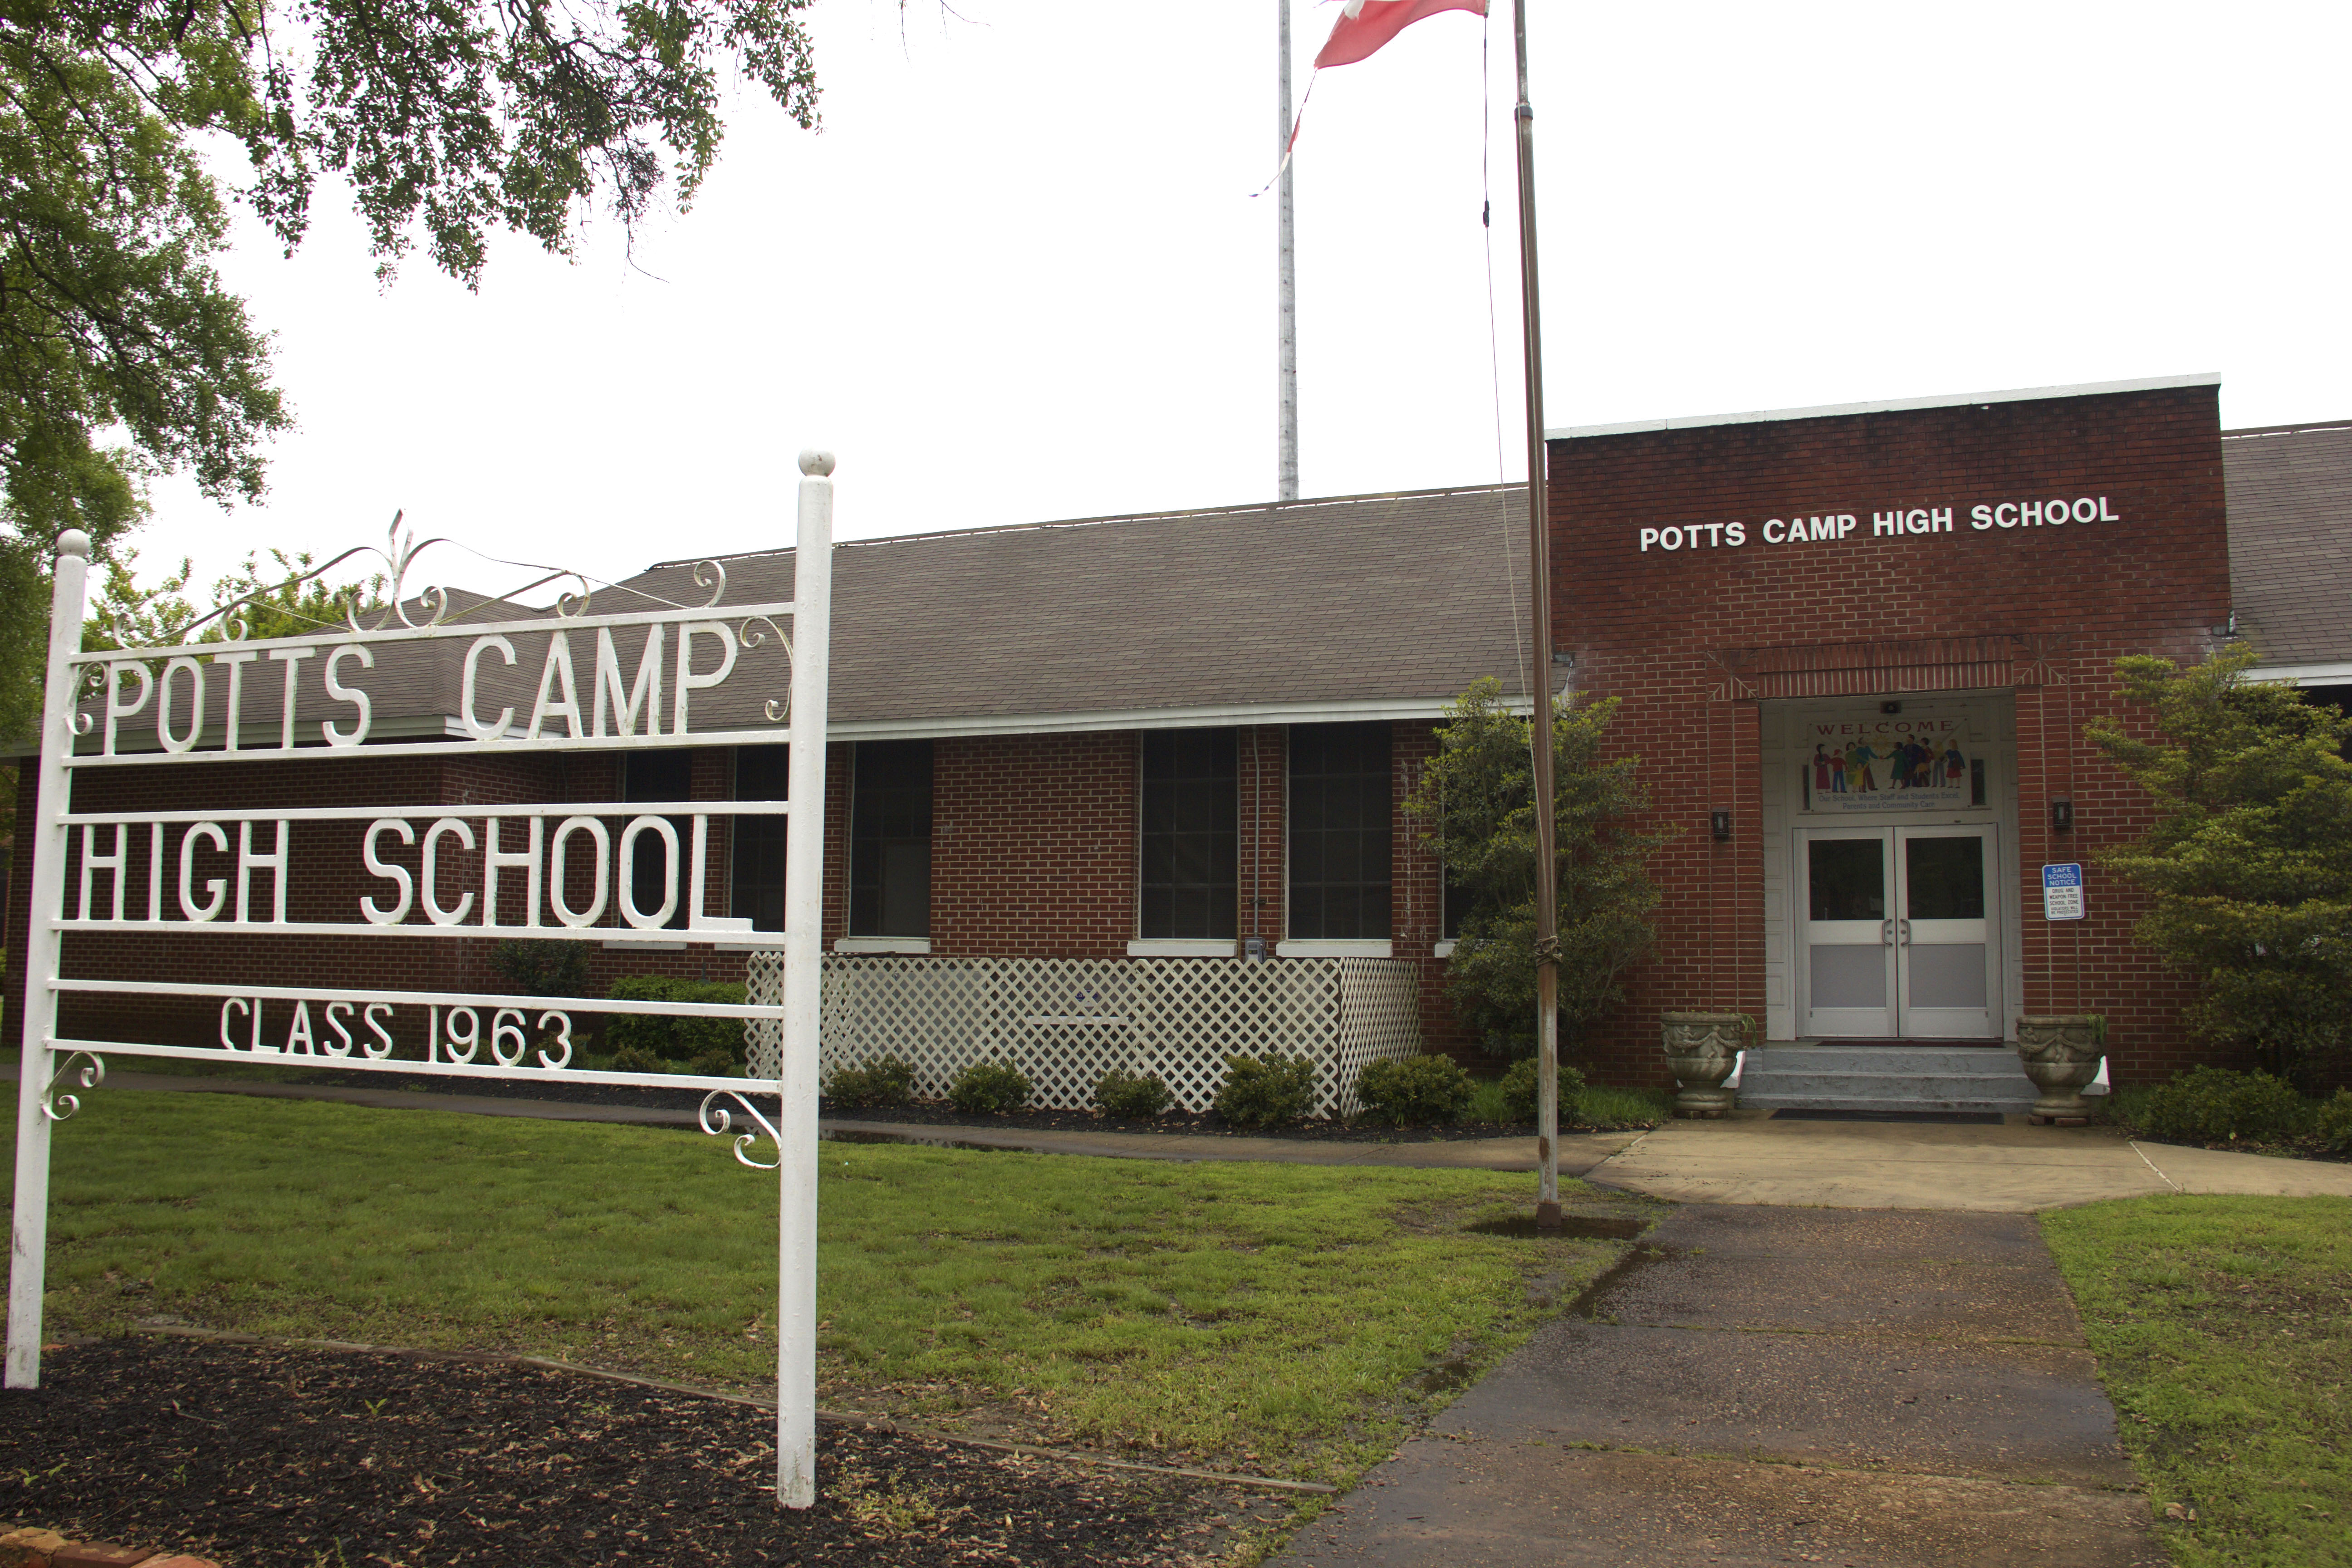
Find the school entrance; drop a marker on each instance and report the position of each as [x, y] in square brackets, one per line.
[1890, 875]
[1901, 932]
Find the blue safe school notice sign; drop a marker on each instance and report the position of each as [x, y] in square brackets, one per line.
[2061, 892]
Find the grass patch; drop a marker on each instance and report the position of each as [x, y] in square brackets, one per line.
[1269, 1317]
[2221, 1325]
[1599, 1108]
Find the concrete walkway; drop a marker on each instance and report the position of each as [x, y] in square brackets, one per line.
[1752, 1157]
[1767, 1385]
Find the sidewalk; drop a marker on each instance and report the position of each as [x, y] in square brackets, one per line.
[1752, 1157]
[1765, 1386]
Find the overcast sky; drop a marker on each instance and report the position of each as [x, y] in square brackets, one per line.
[1021, 275]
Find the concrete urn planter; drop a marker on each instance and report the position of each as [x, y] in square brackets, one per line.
[1702, 1048]
[2061, 1053]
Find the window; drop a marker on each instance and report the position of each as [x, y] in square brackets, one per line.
[1189, 879]
[758, 881]
[663, 776]
[1340, 836]
[890, 839]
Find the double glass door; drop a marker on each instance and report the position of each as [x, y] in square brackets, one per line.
[1900, 934]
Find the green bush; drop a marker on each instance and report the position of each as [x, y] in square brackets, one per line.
[635, 1059]
[1131, 1096]
[1519, 1091]
[1266, 1091]
[2214, 1105]
[888, 1080]
[1419, 1091]
[542, 968]
[671, 1038]
[985, 1088]
[2332, 1123]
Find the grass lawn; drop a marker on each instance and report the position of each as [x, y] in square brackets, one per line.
[1264, 1317]
[2223, 1328]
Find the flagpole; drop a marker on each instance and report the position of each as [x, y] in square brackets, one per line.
[1539, 730]
[1286, 309]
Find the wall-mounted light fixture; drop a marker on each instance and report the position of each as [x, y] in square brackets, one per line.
[1721, 823]
[2062, 816]
[1890, 708]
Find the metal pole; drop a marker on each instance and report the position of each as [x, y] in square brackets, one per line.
[29, 1243]
[796, 1153]
[1287, 310]
[1539, 730]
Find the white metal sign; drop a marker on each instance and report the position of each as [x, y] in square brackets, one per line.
[2061, 892]
[594, 683]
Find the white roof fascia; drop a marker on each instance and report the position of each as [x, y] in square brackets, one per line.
[1305, 712]
[1897, 405]
[2304, 674]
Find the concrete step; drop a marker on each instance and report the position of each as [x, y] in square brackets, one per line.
[1861, 1102]
[1890, 1086]
[1874, 1077]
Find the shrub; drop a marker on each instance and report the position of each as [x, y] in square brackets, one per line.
[1130, 1095]
[985, 1088]
[2332, 1123]
[542, 968]
[671, 1038]
[886, 1080]
[1415, 1092]
[1519, 1091]
[1266, 1091]
[2214, 1105]
[635, 1059]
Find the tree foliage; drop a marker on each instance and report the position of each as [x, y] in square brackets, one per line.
[287, 603]
[2249, 861]
[1476, 804]
[122, 354]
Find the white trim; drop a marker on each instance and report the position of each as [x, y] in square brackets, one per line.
[610, 945]
[1182, 947]
[1305, 711]
[1442, 949]
[2304, 674]
[1894, 406]
[914, 944]
[1326, 947]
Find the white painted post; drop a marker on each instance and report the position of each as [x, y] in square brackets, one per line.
[804, 959]
[29, 1241]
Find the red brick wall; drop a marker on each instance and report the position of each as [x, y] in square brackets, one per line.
[1675, 634]
[1032, 846]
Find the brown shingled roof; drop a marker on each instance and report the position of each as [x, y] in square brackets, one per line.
[2290, 496]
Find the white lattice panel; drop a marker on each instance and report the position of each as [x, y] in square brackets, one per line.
[1066, 1022]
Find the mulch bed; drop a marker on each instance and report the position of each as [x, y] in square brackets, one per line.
[261, 1455]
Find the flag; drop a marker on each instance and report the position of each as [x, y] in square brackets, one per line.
[1366, 24]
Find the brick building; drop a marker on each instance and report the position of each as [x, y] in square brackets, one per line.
[1856, 649]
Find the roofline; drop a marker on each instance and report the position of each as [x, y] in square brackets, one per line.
[2305, 430]
[1303, 710]
[1896, 405]
[1235, 509]
[2304, 674]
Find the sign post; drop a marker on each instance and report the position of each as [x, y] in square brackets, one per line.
[578, 871]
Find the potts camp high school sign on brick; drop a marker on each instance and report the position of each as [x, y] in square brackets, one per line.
[589, 682]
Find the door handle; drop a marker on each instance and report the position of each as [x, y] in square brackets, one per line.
[1886, 932]
[1905, 927]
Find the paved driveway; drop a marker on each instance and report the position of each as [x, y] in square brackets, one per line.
[1767, 1385]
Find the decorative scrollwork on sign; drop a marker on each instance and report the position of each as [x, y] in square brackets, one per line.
[718, 1121]
[92, 680]
[711, 575]
[751, 637]
[58, 1107]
